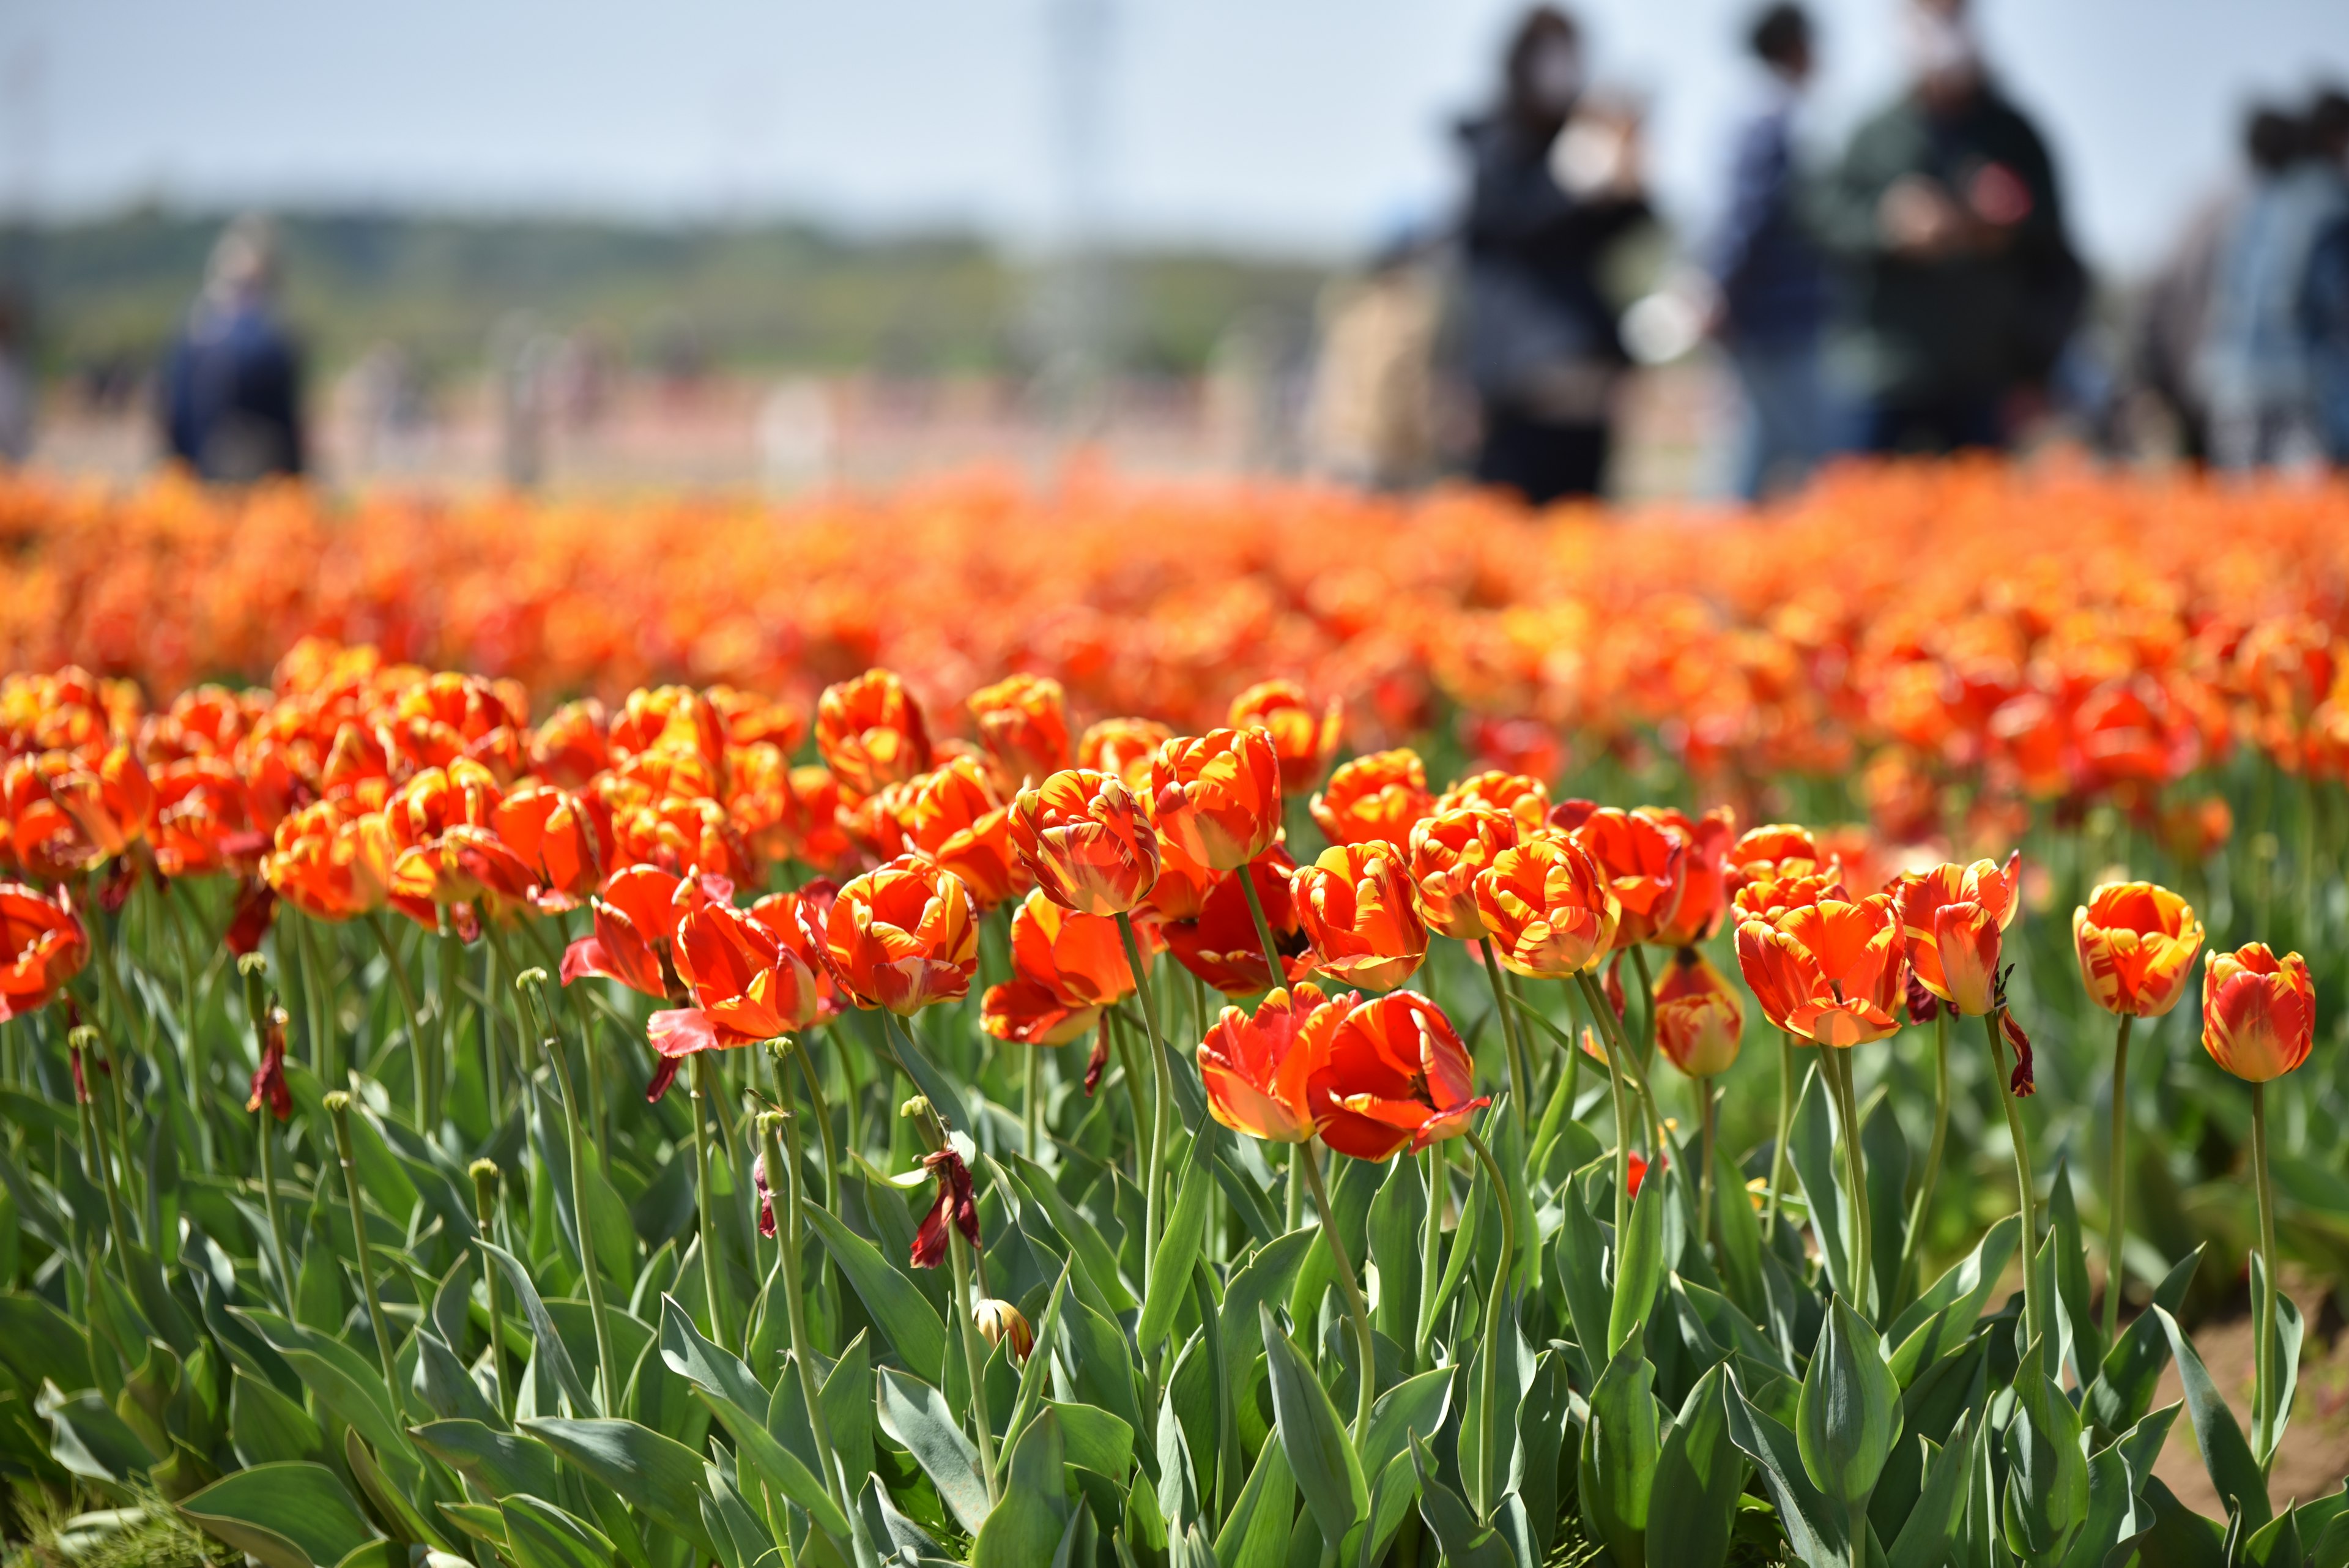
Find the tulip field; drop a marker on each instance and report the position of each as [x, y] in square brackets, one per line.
[1158, 1026]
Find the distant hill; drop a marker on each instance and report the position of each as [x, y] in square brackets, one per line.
[106, 293]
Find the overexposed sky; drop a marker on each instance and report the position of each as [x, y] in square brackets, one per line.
[1274, 124]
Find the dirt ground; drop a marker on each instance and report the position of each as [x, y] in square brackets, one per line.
[2314, 1459]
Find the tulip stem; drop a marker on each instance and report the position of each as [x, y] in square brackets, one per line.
[98, 1159]
[702, 1089]
[1647, 1042]
[1430, 1252]
[821, 1109]
[1598, 1005]
[965, 1309]
[2034, 1321]
[1125, 1069]
[2117, 1185]
[2266, 1381]
[1921, 1208]
[1367, 1380]
[338, 1106]
[1488, 1357]
[1032, 1094]
[1273, 965]
[1162, 1083]
[786, 1163]
[531, 983]
[485, 1205]
[410, 1014]
[1704, 1096]
[1785, 1125]
[1518, 1089]
[1836, 1060]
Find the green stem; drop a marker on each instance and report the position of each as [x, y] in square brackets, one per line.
[821, 1109]
[485, 1206]
[787, 1196]
[532, 983]
[1520, 1090]
[1921, 1208]
[1785, 1124]
[1431, 1256]
[1366, 1347]
[1598, 1003]
[2035, 1320]
[2117, 1185]
[1032, 1096]
[700, 1090]
[965, 1309]
[338, 1106]
[1647, 1042]
[2267, 1377]
[412, 1015]
[1163, 1090]
[1263, 931]
[1489, 1358]
[1134, 1097]
[1837, 1061]
[1704, 1095]
[100, 1152]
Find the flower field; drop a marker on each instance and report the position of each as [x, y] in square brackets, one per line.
[1165, 1026]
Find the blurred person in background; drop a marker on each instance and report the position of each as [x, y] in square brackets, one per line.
[17, 393]
[232, 385]
[2174, 316]
[1556, 182]
[1768, 276]
[2256, 353]
[1964, 287]
[1370, 412]
[2324, 287]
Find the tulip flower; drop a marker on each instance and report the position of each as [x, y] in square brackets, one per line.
[269, 1085]
[744, 970]
[951, 815]
[957, 1206]
[1222, 946]
[1305, 739]
[564, 842]
[1086, 841]
[1769, 853]
[1375, 797]
[1549, 908]
[1829, 971]
[634, 925]
[42, 946]
[1526, 799]
[1182, 886]
[1355, 907]
[1024, 725]
[1447, 852]
[748, 718]
[1394, 1077]
[667, 721]
[1254, 1066]
[571, 745]
[870, 732]
[998, 1321]
[329, 862]
[1703, 875]
[1699, 1018]
[903, 937]
[1126, 747]
[1950, 920]
[1217, 797]
[2259, 1020]
[1640, 858]
[1066, 967]
[2137, 944]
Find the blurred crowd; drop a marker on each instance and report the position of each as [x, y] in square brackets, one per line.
[1916, 291]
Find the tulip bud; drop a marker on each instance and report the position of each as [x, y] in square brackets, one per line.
[997, 1319]
[1698, 1017]
[919, 1105]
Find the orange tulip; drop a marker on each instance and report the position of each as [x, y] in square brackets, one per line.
[1377, 796]
[1217, 796]
[1355, 907]
[42, 946]
[449, 717]
[1773, 850]
[1828, 971]
[1547, 907]
[747, 718]
[63, 814]
[1221, 946]
[951, 815]
[674, 832]
[565, 841]
[1086, 841]
[1641, 859]
[2137, 943]
[570, 745]
[1066, 967]
[330, 862]
[1024, 725]
[1182, 886]
[1523, 798]
[1698, 1017]
[749, 979]
[1703, 876]
[810, 827]
[204, 819]
[1951, 918]
[634, 930]
[903, 937]
[1127, 747]
[1306, 740]
[1255, 1067]
[2259, 1012]
[1394, 1077]
[671, 721]
[871, 732]
[445, 850]
[1447, 850]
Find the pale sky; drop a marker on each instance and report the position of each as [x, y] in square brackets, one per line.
[1268, 124]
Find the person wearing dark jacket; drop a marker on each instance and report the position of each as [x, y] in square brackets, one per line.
[1965, 287]
[1555, 183]
[232, 385]
[1768, 276]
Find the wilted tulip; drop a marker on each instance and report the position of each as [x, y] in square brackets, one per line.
[1355, 905]
[1375, 797]
[1217, 797]
[2137, 943]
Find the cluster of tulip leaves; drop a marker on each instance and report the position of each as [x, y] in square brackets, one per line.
[1694, 1390]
